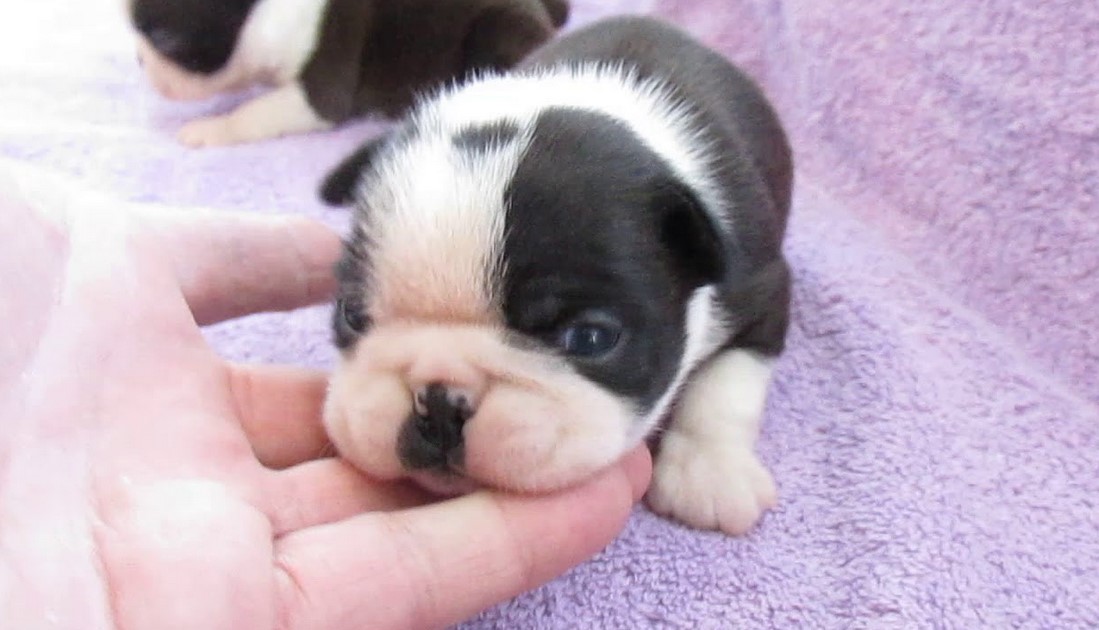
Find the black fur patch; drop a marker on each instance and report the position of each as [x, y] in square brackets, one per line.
[338, 187]
[197, 35]
[598, 223]
[559, 11]
[350, 305]
[483, 137]
[752, 169]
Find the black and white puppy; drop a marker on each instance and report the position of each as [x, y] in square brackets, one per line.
[328, 60]
[546, 265]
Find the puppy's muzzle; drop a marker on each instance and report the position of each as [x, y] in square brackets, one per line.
[432, 436]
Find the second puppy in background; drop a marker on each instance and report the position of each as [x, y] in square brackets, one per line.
[328, 61]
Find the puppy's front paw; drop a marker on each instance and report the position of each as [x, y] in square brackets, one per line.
[216, 131]
[710, 485]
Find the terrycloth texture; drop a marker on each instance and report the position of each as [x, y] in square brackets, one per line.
[934, 427]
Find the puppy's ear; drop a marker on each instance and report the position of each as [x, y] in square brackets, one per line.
[338, 187]
[691, 234]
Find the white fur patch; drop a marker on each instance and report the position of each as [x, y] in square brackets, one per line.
[707, 473]
[434, 226]
[280, 36]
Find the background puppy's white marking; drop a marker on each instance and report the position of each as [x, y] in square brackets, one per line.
[280, 36]
[279, 112]
[707, 473]
[274, 44]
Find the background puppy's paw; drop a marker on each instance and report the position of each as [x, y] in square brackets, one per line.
[207, 132]
[710, 485]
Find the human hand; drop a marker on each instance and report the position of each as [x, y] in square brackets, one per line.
[147, 483]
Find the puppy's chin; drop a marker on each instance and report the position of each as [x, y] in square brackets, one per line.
[538, 427]
[444, 484]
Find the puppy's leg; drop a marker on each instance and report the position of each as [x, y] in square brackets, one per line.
[282, 111]
[707, 473]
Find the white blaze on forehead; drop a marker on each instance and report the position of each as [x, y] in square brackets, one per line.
[434, 224]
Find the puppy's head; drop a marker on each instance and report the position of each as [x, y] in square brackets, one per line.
[186, 46]
[524, 288]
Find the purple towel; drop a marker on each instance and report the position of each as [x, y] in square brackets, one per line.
[934, 427]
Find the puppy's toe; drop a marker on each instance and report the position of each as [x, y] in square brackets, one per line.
[710, 485]
[207, 132]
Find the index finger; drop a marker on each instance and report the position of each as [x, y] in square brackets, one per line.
[280, 408]
[437, 565]
[233, 264]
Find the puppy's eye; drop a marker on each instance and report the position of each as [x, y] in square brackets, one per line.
[588, 339]
[352, 315]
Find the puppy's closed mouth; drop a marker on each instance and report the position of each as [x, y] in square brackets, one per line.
[445, 483]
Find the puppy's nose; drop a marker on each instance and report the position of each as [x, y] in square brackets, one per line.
[432, 438]
[441, 413]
